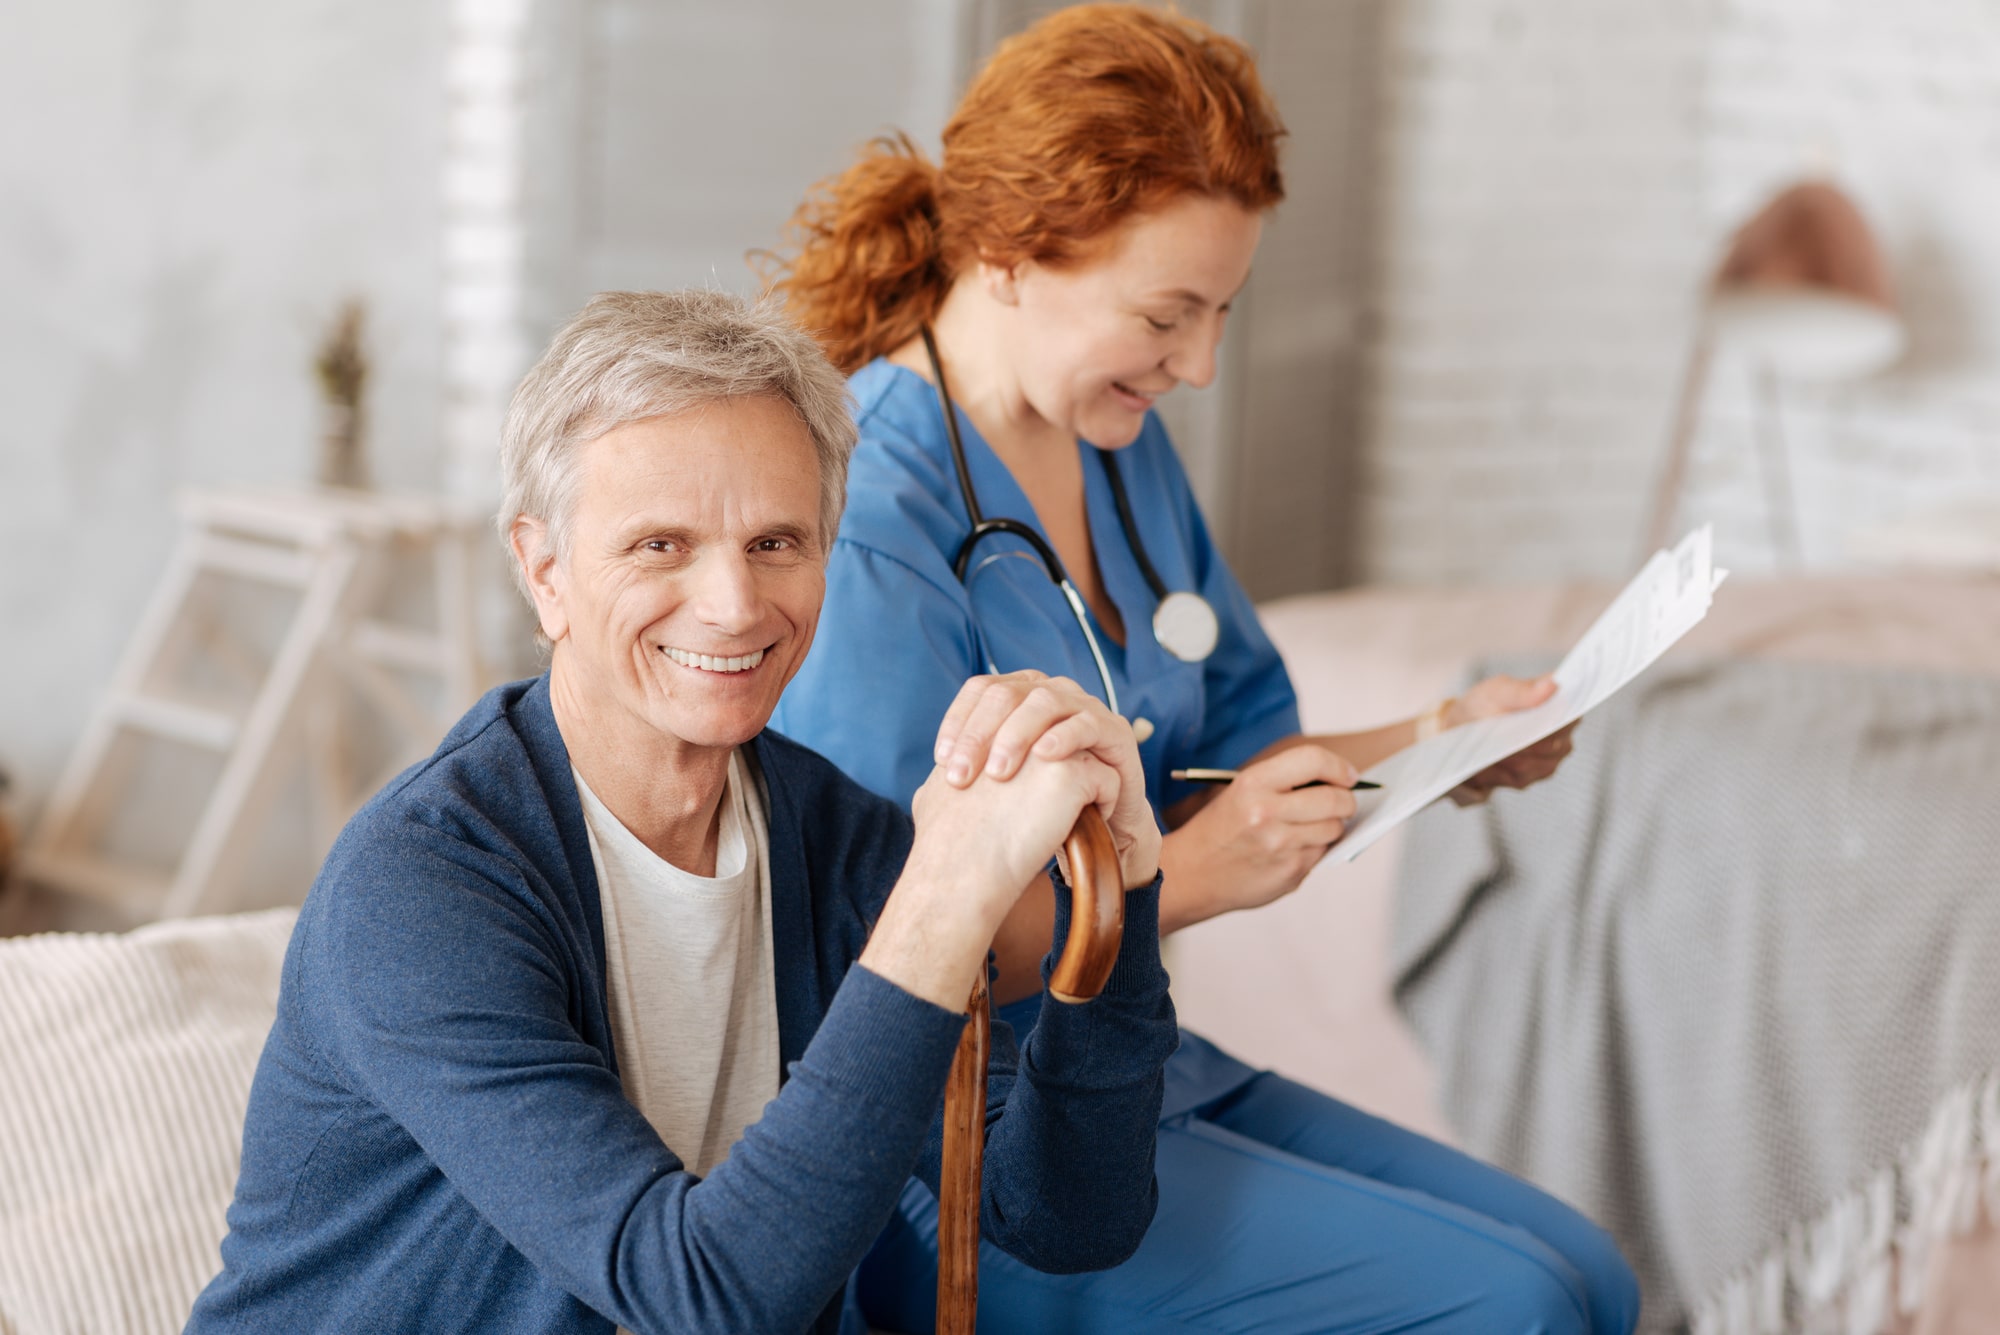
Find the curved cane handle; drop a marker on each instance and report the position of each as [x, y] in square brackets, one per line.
[1097, 911]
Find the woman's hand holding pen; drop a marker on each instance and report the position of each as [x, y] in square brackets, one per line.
[1257, 837]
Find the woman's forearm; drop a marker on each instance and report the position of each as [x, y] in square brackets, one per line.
[1364, 750]
[1187, 884]
[1369, 749]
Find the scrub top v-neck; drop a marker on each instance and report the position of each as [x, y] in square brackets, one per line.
[898, 637]
[899, 634]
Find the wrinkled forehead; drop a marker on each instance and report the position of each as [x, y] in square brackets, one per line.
[728, 465]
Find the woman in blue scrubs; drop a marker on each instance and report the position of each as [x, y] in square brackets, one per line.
[1099, 201]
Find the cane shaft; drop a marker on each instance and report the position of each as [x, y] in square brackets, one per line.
[964, 1151]
[1097, 924]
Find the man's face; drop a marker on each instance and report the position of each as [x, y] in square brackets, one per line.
[695, 570]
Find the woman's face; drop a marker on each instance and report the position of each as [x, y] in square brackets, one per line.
[1093, 344]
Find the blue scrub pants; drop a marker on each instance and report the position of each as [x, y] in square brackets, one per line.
[1285, 1211]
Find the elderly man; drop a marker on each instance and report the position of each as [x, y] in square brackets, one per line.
[620, 1009]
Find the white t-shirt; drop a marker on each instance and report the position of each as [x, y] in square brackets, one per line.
[688, 968]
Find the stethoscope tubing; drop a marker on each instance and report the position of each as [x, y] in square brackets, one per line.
[1167, 604]
[983, 527]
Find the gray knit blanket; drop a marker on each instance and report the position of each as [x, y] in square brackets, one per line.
[1730, 983]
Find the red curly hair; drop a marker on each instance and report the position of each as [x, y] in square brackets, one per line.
[1093, 115]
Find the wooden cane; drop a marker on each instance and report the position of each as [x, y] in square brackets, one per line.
[1096, 925]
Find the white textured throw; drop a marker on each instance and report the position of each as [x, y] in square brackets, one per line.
[1862, 1262]
[125, 1065]
[1729, 984]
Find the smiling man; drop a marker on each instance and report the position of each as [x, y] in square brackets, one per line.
[622, 1010]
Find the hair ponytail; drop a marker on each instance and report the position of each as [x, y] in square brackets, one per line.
[1095, 114]
[869, 269]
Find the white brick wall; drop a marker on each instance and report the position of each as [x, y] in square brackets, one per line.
[1559, 180]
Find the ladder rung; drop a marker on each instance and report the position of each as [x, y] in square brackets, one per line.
[192, 724]
[135, 889]
[254, 560]
[396, 646]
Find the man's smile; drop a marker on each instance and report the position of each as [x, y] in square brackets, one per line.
[713, 663]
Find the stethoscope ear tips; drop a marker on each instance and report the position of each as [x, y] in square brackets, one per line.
[1142, 729]
[1186, 626]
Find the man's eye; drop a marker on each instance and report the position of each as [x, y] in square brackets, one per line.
[774, 545]
[1160, 326]
[661, 545]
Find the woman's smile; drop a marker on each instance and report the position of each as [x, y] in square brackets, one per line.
[1132, 398]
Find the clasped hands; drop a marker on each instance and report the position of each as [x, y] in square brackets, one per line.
[1018, 757]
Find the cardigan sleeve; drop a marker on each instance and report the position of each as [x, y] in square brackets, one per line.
[1072, 1111]
[442, 998]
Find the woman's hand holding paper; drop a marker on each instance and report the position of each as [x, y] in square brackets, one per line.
[1526, 767]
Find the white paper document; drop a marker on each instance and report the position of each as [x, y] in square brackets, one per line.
[1663, 602]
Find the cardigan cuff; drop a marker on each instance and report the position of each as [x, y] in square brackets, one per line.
[1138, 971]
[887, 1044]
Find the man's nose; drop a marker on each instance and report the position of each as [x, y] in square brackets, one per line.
[725, 593]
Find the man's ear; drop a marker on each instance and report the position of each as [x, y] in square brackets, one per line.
[1000, 282]
[529, 539]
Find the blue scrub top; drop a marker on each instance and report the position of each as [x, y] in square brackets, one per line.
[898, 636]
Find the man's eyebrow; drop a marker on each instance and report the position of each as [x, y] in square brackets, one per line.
[803, 534]
[642, 529]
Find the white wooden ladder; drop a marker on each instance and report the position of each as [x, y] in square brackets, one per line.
[336, 551]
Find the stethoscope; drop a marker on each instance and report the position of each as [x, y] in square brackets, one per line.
[1183, 623]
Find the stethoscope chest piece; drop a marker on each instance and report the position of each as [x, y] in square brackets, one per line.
[1183, 623]
[1185, 626]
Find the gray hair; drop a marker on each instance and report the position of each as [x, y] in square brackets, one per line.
[630, 356]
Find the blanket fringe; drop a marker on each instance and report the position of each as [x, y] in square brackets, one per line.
[1863, 1260]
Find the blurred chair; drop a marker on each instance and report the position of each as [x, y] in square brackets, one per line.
[335, 553]
[1803, 293]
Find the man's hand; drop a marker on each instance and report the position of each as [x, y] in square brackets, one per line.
[1020, 756]
[1530, 765]
[997, 723]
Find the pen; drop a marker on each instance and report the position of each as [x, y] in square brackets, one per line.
[1227, 775]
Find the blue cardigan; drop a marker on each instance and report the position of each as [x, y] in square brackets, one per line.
[437, 1139]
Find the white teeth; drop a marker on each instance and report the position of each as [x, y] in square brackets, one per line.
[710, 663]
